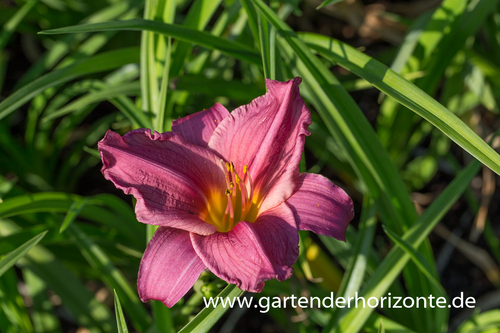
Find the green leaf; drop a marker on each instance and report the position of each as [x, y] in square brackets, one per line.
[471, 18]
[72, 46]
[99, 63]
[207, 317]
[390, 326]
[91, 151]
[42, 311]
[75, 297]
[120, 318]
[73, 212]
[417, 258]
[381, 328]
[405, 93]
[119, 216]
[267, 36]
[10, 26]
[347, 125]
[252, 17]
[199, 15]
[149, 78]
[327, 3]
[131, 111]
[162, 99]
[14, 316]
[107, 93]
[487, 322]
[162, 317]
[355, 272]
[202, 38]
[233, 89]
[441, 314]
[352, 320]
[112, 277]
[11, 258]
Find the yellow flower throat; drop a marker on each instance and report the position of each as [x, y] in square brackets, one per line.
[237, 203]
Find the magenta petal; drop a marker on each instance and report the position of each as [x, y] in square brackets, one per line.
[320, 206]
[169, 177]
[278, 234]
[197, 128]
[252, 253]
[169, 267]
[268, 134]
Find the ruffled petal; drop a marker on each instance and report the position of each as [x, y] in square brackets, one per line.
[197, 128]
[252, 253]
[267, 135]
[320, 206]
[169, 267]
[171, 179]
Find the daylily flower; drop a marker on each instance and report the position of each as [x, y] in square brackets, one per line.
[225, 190]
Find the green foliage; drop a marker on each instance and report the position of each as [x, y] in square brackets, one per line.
[95, 65]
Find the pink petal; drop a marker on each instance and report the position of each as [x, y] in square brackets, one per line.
[169, 267]
[320, 206]
[252, 253]
[268, 134]
[169, 177]
[197, 128]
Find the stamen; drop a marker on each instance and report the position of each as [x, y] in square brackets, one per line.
[246, 192]
[251, 185]
[244, 200]
[231, 174]
[228, 180]
[231, 212]
[236, 186]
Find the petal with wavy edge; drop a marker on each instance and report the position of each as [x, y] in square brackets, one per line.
[268, 134]
[320, 206]
[198, 127]
[252, 253]
[169, 267]
[169, 177]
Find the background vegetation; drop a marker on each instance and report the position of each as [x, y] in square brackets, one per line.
[404, 98]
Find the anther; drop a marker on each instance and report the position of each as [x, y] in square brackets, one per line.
[245, 168]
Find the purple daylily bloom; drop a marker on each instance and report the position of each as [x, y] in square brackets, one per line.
[226, 192]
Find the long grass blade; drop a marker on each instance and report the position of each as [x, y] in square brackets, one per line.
[348, 125]
[202, 38]
[407, 94]
[267, 36]
[11, 25]
[108, 93]
[99, 63]
[113, 278]
[120, 318]
[353, 319]
[209, 316]
[11, 258]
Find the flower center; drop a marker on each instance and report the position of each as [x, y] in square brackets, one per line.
[238, 203]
